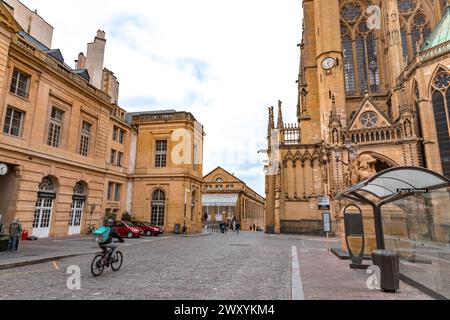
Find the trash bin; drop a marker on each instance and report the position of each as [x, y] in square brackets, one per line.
[271, 229]
[389, 264]
[177, 229]
[24, 235]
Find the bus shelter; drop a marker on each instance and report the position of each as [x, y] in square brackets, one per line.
[411, 211]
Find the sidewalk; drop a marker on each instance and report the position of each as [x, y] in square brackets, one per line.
[325, 277]
[43, 250]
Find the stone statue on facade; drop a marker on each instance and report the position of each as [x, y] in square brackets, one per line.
[361, 169]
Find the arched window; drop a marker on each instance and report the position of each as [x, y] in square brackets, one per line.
[44, 208]
[219, 180]
[441, 108]
[77, 208]
[415, 26]
[362, 72]
[158, 208]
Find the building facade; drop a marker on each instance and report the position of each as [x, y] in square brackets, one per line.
[68, 152]
[225, 197]
[373, 93]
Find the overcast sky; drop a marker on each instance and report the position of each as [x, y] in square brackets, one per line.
[226, 61]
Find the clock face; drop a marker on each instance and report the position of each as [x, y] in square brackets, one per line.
[328, 63]
[3, 169]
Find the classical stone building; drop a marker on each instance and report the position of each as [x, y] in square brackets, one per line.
[373, 93]
[226, 197]
[69, 155]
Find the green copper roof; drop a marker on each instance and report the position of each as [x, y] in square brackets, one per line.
[441, 33]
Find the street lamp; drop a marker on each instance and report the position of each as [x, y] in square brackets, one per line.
[185, 210]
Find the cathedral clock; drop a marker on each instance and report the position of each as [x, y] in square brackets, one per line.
[328, 63]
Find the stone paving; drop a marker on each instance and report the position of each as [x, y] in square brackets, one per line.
[251, 266]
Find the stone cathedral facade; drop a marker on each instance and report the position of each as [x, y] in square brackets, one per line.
[369, 98]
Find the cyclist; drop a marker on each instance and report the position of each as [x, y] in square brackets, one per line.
[109, 244]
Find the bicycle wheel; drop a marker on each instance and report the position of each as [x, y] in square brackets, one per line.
[117, 261]
[98, 265]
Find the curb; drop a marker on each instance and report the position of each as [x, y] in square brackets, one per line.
[39, 261]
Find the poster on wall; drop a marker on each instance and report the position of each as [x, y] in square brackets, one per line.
[324, 203]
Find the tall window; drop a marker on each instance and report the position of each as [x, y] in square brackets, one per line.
[117, 192]
[158, 208]
[119, 159]
[441, 108]
[20, 83]
[113, 157]
[121, 136]
[44, 208]
[77, 208]
[85, 139]
[415, 26]
[360, 51]
[13, 122]
[115, 133]
[161, 154]
[55, 129]
[110, 191]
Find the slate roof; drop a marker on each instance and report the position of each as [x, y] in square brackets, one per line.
[441, 33]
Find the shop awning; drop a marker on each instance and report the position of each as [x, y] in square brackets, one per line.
[220, 200]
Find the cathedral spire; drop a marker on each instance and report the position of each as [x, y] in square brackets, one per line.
[280, 115]
[271, 125]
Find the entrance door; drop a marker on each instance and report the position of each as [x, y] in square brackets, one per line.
[42, 217]
[76, 216]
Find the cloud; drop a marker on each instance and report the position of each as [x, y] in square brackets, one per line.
[224, 61]
[196, 67]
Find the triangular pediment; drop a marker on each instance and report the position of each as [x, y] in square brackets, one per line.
[369, 115]
[7, 20]
[220, 173]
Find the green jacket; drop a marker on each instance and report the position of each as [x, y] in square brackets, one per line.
[15, 229]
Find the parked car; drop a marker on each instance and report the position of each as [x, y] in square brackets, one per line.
[128, 230]
[149, 230]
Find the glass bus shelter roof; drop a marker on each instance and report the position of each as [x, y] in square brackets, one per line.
[395, 183]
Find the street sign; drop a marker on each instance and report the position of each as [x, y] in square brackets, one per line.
[324, 203]
[327, 222]
[412, 190]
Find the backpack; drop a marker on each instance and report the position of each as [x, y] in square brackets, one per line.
[102, 234]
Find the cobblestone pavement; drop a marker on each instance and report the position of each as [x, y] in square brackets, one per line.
[218, 267]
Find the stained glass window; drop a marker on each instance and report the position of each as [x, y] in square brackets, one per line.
[442, 80]
[405, 6]
[351, 12]
[349, 66]
[415, 26]
[362, 72]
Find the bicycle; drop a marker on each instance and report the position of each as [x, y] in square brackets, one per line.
[105, 259]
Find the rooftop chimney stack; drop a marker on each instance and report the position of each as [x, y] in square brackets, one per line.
[95, 58]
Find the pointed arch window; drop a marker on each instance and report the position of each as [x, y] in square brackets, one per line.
[441, 108]
[415, 27]
[362, 72]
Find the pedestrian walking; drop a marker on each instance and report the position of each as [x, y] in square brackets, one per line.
[238, 227]
[15, 230]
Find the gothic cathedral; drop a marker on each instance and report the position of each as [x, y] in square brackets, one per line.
[373, 93]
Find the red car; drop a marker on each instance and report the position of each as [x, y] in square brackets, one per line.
[128, 230]
[149, 230]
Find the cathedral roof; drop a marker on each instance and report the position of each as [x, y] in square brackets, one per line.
[441, 33]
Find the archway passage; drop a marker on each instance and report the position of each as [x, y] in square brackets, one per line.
[8, 193]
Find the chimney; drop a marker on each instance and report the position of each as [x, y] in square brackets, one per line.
[81, 62]
[95, 57]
